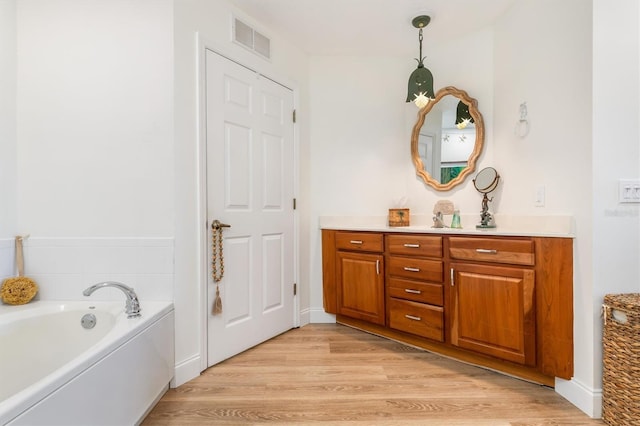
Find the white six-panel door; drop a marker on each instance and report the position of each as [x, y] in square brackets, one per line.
[250, 163]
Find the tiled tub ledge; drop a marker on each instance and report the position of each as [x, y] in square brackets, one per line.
[64, 267]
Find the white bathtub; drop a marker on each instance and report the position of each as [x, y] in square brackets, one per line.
[55, 372]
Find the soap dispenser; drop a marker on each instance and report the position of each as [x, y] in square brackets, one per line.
[455, 222]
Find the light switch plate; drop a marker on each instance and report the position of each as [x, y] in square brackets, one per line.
[629, 191]
[539, 196]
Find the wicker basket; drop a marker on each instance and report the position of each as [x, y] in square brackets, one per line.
[621, 359]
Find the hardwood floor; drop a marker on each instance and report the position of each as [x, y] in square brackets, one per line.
[338, 375]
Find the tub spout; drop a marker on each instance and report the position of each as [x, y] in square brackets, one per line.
[132, 308]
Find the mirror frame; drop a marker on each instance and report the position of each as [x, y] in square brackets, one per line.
[477, 148]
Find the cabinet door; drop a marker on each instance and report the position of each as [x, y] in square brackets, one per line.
[360, 280]
[494, 311]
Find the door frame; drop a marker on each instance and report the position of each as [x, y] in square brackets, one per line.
[266, 70]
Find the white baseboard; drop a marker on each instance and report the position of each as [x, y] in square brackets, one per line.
[319, 316]
[585, 398]
[305, 317]
[185, 371]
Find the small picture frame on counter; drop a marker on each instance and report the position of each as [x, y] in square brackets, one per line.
[399, 217]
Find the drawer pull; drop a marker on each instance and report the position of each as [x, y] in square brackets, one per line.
[412, 291]
[406, 268]
[377, 267]
[413, 318]
[356, 241]
[487, 251]
[412, 245]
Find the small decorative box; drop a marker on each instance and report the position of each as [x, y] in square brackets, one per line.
[398, 217]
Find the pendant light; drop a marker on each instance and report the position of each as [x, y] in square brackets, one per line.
[463, 116]
[421, 80]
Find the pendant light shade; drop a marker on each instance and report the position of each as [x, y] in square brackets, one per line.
[420, 87]
[463, 116]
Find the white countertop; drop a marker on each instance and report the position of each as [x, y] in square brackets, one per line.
[530, 226]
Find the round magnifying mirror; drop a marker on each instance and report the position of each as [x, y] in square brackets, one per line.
[486, 180]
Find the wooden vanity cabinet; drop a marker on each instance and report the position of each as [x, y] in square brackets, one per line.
[360, 276]
[503, 302]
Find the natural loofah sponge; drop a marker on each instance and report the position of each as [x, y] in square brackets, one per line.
[18, 290]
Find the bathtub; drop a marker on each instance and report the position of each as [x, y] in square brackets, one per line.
[53, 371]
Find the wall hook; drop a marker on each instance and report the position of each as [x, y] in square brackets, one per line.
[522, 126]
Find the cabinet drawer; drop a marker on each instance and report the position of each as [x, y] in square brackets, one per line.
[416, 318]
[415, 245]
[513, 251]
[415, 269]
[362, 241]
[417, 291]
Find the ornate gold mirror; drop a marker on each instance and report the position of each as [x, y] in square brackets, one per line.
[447, 139]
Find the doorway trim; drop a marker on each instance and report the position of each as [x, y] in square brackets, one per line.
[263, 68]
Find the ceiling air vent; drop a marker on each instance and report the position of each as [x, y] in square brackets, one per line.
[251, 39]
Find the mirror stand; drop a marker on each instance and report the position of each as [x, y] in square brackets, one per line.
[486, 181]
[486, 219]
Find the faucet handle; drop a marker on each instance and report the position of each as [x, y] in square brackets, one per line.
[132, 306]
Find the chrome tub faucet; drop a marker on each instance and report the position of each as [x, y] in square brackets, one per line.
[132, 307]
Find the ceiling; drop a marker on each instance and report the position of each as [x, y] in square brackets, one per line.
[369, 27]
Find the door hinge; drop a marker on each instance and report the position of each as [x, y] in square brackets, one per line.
[295, 203]
[295, 289]
[294, 115]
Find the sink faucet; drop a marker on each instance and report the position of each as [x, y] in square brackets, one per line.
[132, 308]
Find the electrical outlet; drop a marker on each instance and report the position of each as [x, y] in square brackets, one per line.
[629, 191]
[539, 196]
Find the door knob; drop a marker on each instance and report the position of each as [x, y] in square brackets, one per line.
[216, 224]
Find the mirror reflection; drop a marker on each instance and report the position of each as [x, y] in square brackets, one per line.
[447, 139]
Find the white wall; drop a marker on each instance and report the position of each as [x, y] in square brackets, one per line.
[89, 156]
[550, 70]
[211, 20]
[616, 155]
[8, 173]
[94, 118]
[361, 132]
